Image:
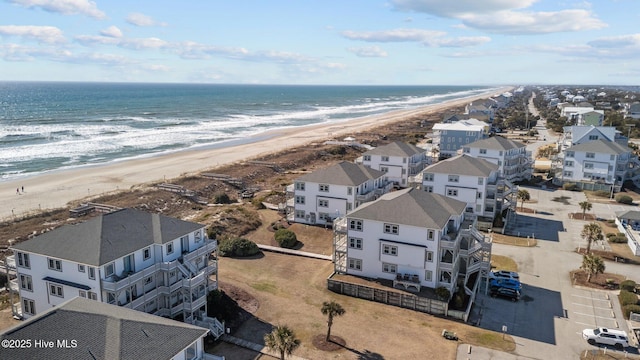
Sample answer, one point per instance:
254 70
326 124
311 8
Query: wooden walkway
294 252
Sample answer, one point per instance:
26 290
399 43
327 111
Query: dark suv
512 294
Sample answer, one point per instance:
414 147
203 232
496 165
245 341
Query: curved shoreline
57 188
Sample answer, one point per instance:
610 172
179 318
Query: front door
129 263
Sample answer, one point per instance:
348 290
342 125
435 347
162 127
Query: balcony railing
208 247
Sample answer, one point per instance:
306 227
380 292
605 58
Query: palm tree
592 265
524 196
331 309
585 206
591 232
281 339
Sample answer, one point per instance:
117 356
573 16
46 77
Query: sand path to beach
57 188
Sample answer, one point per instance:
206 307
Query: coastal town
503 226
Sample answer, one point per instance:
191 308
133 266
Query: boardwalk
294 252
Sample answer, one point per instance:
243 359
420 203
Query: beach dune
57 188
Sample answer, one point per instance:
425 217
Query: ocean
50 126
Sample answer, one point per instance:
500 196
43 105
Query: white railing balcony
175 310
206 249
194 281
448 244
10 262
196 304
117 283
290 188
340 225
13 285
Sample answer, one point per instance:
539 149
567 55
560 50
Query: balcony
13 285
340 225
447 243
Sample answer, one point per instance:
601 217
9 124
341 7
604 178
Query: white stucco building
398 160
597 161
133 259
415 238
325 194
513 160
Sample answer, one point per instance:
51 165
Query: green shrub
618 238
627 310
627 298
570 187
237 247
221 198
286 238
628 285
624 199
602 193
443 293
221 306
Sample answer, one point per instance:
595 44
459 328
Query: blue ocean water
48 126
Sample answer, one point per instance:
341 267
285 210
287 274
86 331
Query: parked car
504 274
505 283
616 338
511 294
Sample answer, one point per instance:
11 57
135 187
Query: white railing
209 247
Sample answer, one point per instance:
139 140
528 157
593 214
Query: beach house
398 160
130 258
513 160
413 238
574 135
475 182
323 195
84 329
449 138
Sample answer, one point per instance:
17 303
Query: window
571 154
300 186
404 160
428 176
169 248
349 206
300 213
82 293
479 195
111 298
148 280
323 203
591 155
480 181
428 256
324 216
197 236
466 150
26 282
355 243
323 188
452 192
92 273
54 264
355 225
366 157
391 229
389 268
428 275
55 290
454 178
384 169
588 165
568 173
91 295
593 137
349 190
612 157
385 158
568 163
355 264
389 250
428 188
146 253
299 199
483 151
478 208
23 260
430 234
109 269
28 306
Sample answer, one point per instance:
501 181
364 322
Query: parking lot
592 309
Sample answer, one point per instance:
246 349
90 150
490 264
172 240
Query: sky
323 42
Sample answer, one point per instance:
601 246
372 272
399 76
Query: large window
54 264
428 256
92 273
385 158
28 306
430 234
452 192
428 275
391 229
300 186
355 225
355 243
146 253
366 157
169 248
355 264
428 176
389 249
428 188
588 165
454 178
591 155
300 214
323 203
568 163
389 268
483 151
55 290
299 199
323 188
23 260
109 269
26 282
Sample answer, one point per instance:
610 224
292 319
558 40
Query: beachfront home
475 182
130 258
574 135
634 111
85 329
398 160
323 195
513 160
449 138
484 108
595 118
596 162
413 238
628 222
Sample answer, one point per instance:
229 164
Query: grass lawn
499 262
513 240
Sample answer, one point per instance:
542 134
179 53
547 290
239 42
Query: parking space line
589 325
595 316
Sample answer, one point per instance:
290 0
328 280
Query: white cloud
91 40
511 22
631 40
42 34
112 31
138 19
66 7
155 67
455 8
369 51
426 37
143 43
463 41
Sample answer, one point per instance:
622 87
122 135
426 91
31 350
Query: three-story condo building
398 160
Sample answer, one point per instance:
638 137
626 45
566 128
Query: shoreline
57 188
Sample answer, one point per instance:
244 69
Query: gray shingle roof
411 207
628 214
496 143
107 237
343 173
463 165
601 146
102 331
396 148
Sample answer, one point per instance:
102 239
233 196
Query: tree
591 232
585 206
592 265
523 195
281 339
331 309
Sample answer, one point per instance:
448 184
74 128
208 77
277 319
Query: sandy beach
56 189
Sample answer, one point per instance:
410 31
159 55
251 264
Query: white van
616 338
